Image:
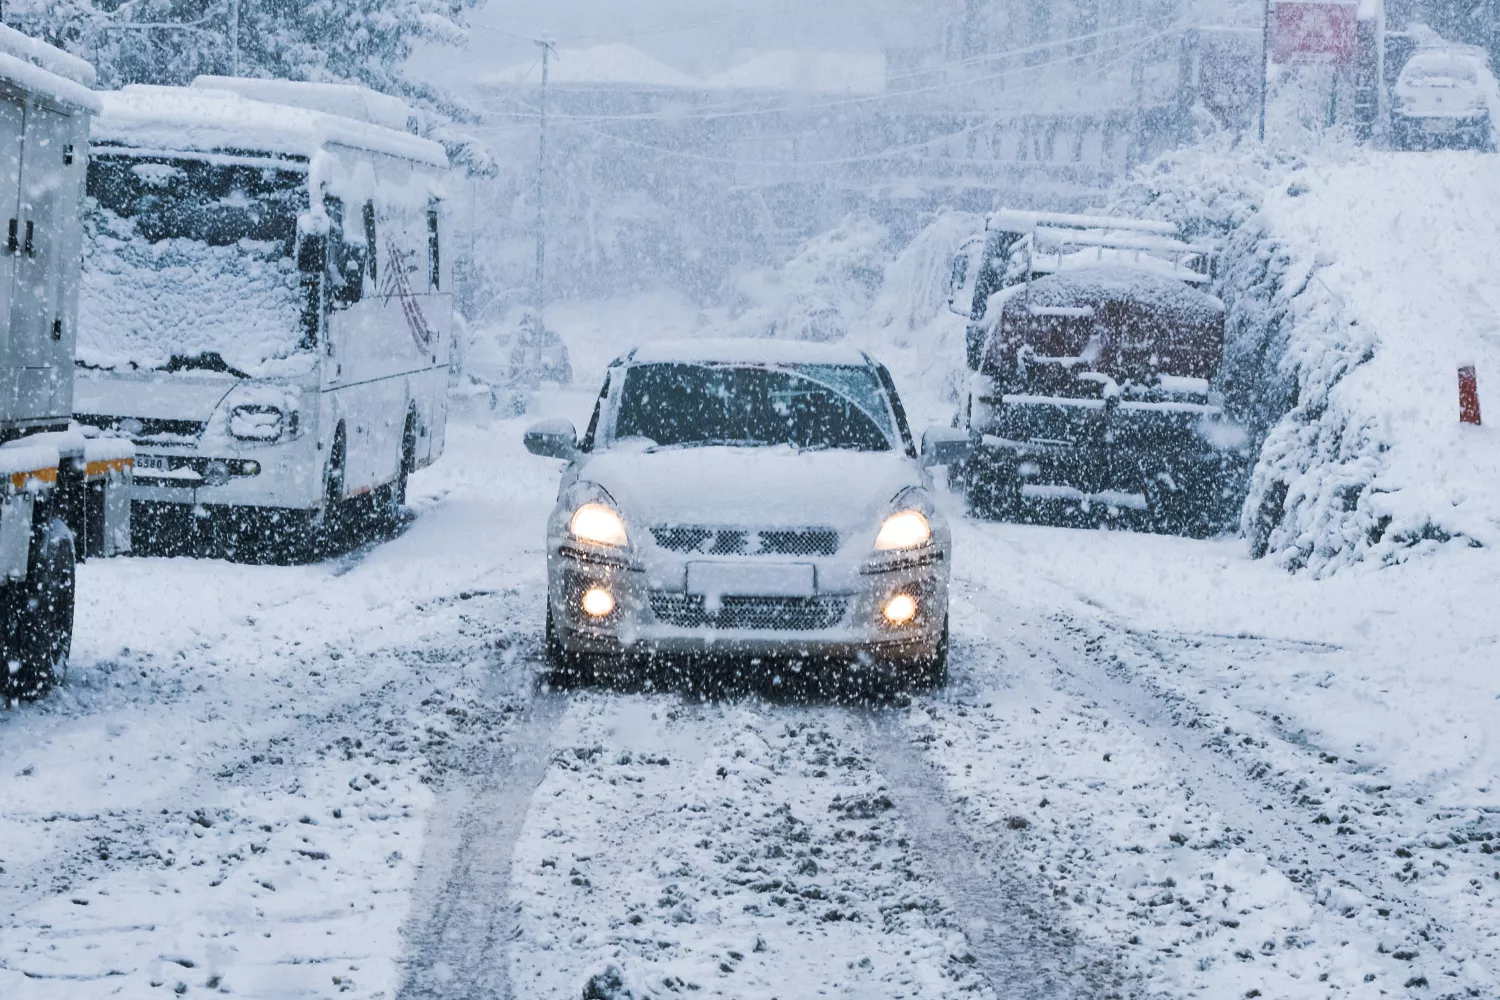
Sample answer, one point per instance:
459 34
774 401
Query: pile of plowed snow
1355 293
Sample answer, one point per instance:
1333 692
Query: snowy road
1160 771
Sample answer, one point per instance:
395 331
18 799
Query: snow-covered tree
351 40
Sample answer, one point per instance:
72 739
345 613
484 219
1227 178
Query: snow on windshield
807 407
190 264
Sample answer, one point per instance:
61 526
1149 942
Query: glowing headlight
906 530
594 522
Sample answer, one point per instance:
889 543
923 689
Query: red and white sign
1314 31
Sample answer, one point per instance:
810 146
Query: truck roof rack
1011 220
1059 241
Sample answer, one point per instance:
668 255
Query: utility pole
1265 66
549 48
234 37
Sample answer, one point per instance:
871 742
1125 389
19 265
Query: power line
664 29
863 158
1131 45
739 109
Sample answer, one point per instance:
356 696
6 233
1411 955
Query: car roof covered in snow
212 121
41 69
748 350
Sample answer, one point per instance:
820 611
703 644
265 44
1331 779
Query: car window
805 407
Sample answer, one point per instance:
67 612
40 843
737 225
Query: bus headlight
259 422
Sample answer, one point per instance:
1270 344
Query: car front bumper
655 615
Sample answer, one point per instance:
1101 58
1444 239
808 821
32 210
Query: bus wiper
208 361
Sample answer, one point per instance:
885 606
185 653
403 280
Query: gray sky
693 35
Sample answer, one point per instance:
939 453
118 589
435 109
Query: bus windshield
190 266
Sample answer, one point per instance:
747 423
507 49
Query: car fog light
216 473
901 609
598 602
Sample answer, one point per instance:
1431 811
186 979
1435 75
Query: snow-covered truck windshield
807 407
191 264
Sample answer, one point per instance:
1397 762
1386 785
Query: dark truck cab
1092 351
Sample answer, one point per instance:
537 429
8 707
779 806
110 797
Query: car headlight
907 529
594 522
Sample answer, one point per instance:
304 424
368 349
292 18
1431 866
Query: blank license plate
1441 125
746 579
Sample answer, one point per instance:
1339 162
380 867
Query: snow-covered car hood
755 487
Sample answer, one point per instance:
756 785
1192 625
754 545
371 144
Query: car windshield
803 406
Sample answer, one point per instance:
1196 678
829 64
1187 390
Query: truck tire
991 487
1187 500
39 633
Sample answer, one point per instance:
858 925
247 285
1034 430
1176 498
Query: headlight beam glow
908 529
594 522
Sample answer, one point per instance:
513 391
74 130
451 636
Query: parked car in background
266 307
749 498
1442 100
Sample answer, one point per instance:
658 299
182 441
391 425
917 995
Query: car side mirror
945 446
552 439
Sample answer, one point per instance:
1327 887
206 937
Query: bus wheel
336 509
39 636
408 459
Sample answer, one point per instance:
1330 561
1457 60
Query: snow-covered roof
807 71
38 67
748 350
612 64
49 58
183 118
346 99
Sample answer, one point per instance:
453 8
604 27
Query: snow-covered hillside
1356 293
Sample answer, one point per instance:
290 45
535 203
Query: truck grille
785 614
150 427
694 539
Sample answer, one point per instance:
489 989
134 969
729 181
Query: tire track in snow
1272 793
742 849
461 916
1246 786
1026 948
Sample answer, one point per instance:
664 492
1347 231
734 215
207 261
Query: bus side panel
12 131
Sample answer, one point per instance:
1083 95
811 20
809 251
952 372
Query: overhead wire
862 158
740 109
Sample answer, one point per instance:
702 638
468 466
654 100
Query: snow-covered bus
266 307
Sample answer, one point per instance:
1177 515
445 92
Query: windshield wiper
713 443
208 361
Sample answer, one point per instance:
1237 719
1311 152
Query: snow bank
142 303
1355 293
826 288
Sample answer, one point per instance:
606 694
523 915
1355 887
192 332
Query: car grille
699 540
786 614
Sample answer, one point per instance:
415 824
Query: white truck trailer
266 309
64 494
